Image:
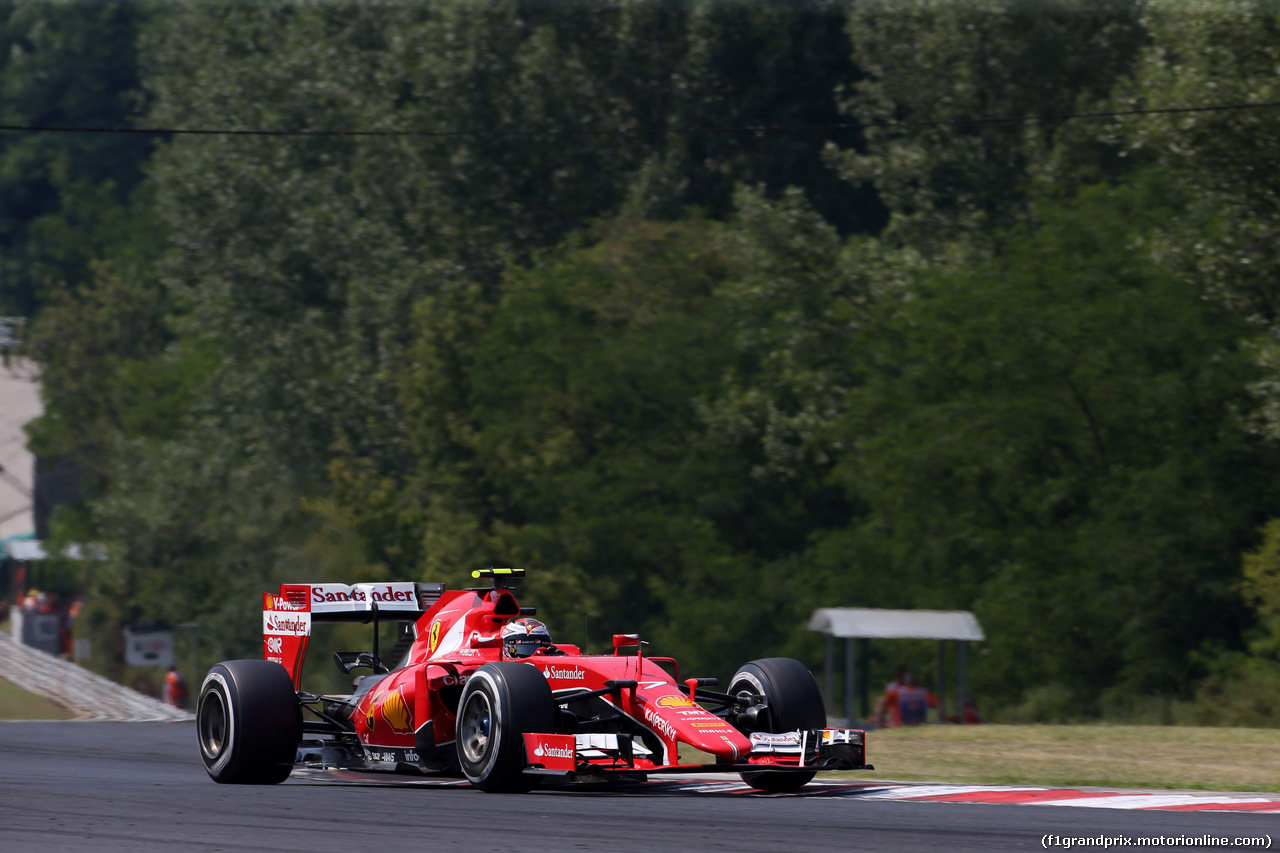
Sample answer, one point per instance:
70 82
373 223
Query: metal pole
864 678
850 654
828 672
960 681
941 682
194 628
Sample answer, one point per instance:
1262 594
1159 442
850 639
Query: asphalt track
140 787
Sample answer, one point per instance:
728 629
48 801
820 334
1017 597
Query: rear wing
287 616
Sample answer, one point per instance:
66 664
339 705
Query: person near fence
175 688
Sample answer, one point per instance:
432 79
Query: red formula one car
480 690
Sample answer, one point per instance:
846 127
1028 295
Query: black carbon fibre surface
141 787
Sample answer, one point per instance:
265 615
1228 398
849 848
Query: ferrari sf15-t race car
478 689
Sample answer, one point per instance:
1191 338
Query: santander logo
564 674
544 751
291 624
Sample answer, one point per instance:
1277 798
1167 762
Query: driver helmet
523 637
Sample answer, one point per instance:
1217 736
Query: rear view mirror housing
624 641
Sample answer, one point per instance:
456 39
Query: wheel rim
746 691
213 724
476 717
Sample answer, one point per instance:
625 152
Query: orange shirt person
886 713
175 688
905 703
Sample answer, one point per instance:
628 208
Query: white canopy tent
854 623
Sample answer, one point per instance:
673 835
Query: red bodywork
460 632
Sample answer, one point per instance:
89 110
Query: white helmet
523 637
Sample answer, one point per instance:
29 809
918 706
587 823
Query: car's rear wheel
248 722
500 704
793 701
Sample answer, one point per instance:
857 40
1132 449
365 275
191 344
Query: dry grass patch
18 704
1104 755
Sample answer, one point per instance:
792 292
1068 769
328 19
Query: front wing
596 755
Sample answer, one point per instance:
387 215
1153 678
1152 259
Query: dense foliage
697 382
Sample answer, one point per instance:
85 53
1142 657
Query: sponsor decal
449 643
279 602
676 702
325 594
275 659
433 639
291 625
718 724
764 742
453 680
553 751
654 719
275 645
692 712
767 739
564 674
841 736
396 712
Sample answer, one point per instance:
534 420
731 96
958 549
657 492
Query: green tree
565 431
295 263
1054 439
64 198
932 66
1213 54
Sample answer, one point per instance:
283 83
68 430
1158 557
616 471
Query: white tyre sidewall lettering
495 723
229 738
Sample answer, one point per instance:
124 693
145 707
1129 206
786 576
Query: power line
762 128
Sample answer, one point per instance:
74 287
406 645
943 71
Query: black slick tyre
248 722
794 702
501 703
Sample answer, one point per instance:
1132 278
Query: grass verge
18 704
1219 759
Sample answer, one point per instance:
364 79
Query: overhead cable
762 128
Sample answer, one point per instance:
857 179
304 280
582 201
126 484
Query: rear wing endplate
287 616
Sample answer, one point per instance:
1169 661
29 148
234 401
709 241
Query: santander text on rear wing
287 616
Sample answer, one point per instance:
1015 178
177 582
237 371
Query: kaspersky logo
564 674
544 751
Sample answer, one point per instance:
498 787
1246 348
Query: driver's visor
524 648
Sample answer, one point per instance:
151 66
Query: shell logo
675 702
433 640
396 713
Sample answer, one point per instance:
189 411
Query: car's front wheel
500 704
249 722
793 701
